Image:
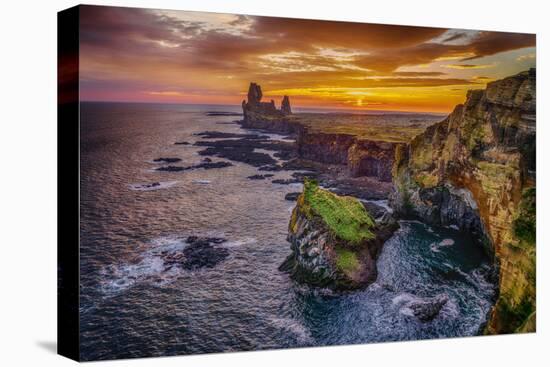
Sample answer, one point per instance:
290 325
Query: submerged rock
259 177
224 135
204 164
427 309
334 241
292 196
201 253
286 181
167 160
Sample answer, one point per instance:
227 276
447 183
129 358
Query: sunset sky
142 55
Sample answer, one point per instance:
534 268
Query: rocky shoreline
474 170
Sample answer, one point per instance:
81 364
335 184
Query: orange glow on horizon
140 55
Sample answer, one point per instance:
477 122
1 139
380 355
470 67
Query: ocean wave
239 243
435 246
294 327
149 267
160 265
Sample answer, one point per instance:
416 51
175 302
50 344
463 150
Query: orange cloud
208 58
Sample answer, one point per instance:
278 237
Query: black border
68 179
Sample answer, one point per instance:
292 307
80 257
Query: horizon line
359 111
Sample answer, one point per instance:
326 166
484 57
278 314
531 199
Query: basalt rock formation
285 106
264 115
334 241
476 170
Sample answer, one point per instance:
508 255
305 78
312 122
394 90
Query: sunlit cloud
469 66
526 57
194 57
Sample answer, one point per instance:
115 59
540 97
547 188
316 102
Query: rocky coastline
474 170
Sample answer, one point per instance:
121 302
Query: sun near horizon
147 55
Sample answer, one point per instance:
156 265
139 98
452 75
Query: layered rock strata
476 170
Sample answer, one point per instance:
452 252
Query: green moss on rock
346 261
525 223
345 216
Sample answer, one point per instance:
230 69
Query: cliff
362 157
476 170
334 240
344 139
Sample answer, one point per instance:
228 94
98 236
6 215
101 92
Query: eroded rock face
371 158
476 170
337 252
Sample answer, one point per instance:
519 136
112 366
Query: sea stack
254 104
285 106
334 240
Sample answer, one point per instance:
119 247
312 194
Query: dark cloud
343 34
455 36
128 44
491 43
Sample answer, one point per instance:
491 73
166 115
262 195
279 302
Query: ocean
133 305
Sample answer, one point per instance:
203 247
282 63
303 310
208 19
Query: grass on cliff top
345 216
385 128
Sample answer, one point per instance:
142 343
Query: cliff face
334 240
476 170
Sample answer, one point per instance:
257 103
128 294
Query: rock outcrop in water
334 240
476 170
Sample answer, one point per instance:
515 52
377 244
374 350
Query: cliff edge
476 170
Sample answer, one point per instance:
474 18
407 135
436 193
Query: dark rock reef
204 165
476 170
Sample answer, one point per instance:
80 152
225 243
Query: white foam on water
150 267
202 182
382 203
239 243
402 298
149 186
435 247
294 327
